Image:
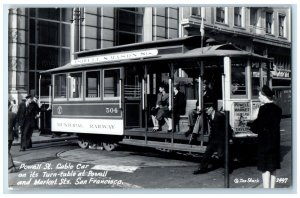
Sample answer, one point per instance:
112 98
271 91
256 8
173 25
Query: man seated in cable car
195 115
161 111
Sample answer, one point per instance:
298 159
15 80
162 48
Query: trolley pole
226 172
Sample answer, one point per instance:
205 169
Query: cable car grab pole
226 146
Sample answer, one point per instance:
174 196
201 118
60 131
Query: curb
49 140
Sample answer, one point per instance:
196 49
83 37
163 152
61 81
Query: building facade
45 38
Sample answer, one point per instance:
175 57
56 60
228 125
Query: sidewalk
37 137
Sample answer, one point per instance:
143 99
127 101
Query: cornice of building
227 30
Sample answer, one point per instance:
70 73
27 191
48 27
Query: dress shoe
193 139
200 171
187 133
12 169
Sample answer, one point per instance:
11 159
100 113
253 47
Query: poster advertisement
241 116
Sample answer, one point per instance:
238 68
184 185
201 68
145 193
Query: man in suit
26 120
216 141
208 99
12 119
179 104
21 115
161 110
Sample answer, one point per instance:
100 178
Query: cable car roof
189 49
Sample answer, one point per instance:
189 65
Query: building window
221 15
238 17
93 84
129 25
269 22
49 43
281 25
198 11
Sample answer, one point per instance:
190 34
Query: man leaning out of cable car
216 141
161 111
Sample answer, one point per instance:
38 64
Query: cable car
106 95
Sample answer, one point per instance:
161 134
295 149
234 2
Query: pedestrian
161 111
27 113
179 104
267 126
37 109
216 142
13 106
12 126
21 122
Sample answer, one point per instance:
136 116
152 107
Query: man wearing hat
267 126
26 121
216 141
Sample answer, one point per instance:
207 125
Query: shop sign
281 74
116 57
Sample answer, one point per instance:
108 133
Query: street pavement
246 176
38 137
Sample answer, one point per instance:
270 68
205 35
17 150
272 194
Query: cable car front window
60 82
238 81
92 84
111 83
255 74
75 85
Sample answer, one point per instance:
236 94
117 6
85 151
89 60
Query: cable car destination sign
116 57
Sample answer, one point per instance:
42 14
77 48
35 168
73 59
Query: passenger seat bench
183 121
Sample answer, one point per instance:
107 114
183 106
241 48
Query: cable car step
165 145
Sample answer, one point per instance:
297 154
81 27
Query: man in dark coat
12 120
267 126
26 121
208 100
216 141
179 104
21 115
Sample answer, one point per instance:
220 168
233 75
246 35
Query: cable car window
60 88
92 84
255 79
75 85
238 80
111 83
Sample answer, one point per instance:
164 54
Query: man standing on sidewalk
12 120
26 121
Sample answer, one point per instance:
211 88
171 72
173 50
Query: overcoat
179 104
12 119
267 126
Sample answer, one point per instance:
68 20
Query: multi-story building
44 38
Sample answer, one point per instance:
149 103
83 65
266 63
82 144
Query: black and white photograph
149 97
